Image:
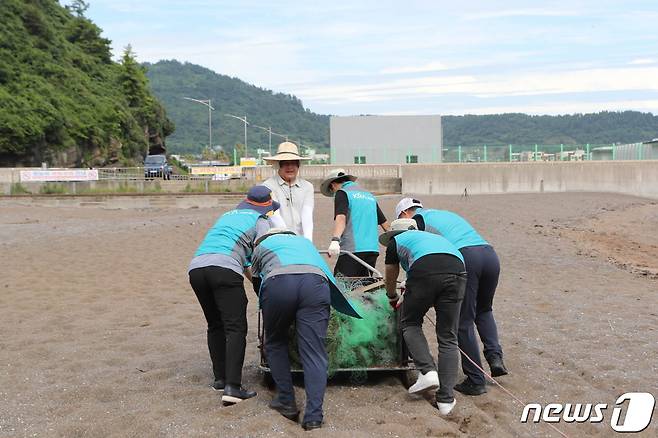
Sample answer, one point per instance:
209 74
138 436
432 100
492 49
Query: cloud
525 84
644 61
432 66
529 12
372 56
534 108
386 90
563 107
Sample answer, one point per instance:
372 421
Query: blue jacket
360 233
413 244
451 226
290 254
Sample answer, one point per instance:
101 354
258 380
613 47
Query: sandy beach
101 334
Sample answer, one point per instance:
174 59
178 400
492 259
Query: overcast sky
409 57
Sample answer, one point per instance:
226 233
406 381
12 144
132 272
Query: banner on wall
59 175
216 170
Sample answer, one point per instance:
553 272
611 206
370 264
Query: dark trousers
221 294
348 267
304 299
483 269
443 292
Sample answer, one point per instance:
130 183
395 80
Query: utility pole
207 103
243 119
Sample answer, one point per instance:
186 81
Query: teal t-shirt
451 226
360 233
291 254
413 244
232 235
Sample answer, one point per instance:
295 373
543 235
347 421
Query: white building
385 139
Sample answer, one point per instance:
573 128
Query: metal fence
452 154
561 152
137 174
484 153
319 171
121 173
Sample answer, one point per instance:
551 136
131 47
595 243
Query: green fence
492 153
541 152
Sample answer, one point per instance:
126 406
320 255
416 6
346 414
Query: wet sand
101 334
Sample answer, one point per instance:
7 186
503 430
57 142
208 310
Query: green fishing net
351 343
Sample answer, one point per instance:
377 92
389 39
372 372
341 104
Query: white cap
405 204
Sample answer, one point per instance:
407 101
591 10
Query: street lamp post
207 103
271 133
243 119
285 137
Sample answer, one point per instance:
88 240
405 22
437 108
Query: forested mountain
171 81
62 98
600 128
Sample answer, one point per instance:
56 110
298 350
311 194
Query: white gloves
402 286
334 249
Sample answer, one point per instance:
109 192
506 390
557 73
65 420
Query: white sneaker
446 408
425 382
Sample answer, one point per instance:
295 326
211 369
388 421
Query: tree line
63 100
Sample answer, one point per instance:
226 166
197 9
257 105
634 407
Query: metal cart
403 366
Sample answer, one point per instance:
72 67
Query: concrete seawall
375 185
131 186
639 178
127 201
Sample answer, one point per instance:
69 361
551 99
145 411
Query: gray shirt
267 264
225 261
297 204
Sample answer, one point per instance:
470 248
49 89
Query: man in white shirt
293 193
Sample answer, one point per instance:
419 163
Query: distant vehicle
221 177
156 166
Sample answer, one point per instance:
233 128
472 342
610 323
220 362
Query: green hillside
171 81
62 98
600 128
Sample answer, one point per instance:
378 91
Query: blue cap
259 198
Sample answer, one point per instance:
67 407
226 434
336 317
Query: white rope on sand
499 385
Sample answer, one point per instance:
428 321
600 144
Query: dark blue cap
259 198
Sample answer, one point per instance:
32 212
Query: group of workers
267 238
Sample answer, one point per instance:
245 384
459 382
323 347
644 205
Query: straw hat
397 226
286 151
272 232
333 176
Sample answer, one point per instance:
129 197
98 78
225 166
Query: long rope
499 385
